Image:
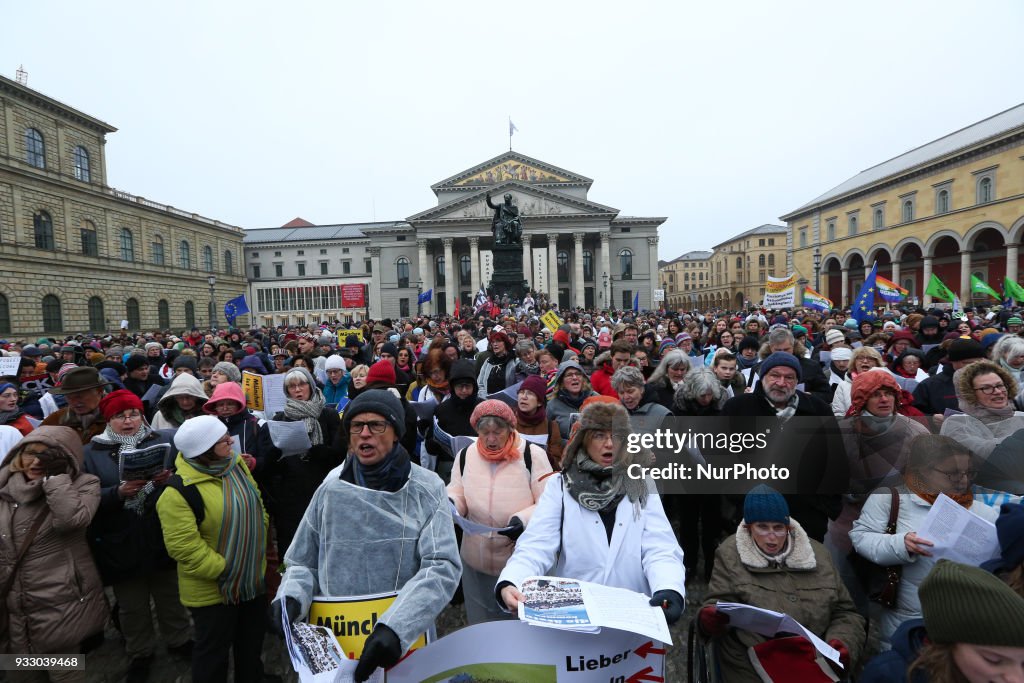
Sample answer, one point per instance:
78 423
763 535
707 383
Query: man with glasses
378 524
83 388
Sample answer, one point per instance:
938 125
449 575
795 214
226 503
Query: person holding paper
126 539
183 399
985 393
290 481
379 524
228 405
936 464
595 523
771 563
493 484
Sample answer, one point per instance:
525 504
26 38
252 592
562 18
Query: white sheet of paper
273 394
471 527
9 366
958 534
290 437
332 666
768 623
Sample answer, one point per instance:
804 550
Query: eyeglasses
957 476
376 426
572 375
990 389
124 417
601 436
768 531
226 441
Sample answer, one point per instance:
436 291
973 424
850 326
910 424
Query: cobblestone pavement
108 663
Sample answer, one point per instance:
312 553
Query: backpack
191 496
527 460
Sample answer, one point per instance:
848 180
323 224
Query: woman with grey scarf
291 480
598 520
126 539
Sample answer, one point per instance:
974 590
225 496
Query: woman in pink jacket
496 482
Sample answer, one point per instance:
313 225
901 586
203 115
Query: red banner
352 296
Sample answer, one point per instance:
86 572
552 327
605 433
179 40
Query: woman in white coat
594 523
936 464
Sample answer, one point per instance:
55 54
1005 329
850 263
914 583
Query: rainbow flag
889 290
814 300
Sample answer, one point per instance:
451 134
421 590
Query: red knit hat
492 407
116 402
562 336
381 371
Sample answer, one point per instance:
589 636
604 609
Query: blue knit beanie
765 504
780 358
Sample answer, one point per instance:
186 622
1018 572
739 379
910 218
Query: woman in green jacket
221 551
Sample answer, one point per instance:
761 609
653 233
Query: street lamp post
817 269
212 281
607 301
419 294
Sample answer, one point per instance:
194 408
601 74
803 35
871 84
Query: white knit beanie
335 363
197 435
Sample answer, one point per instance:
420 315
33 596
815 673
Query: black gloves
671 602
382 649
52 463
291 605
515 529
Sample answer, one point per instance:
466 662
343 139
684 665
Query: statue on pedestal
506 224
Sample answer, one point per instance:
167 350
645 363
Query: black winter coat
937 393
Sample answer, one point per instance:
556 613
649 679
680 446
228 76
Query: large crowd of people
230 530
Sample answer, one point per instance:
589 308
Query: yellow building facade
739 267
683 278
953 207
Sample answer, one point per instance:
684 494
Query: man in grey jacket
378 506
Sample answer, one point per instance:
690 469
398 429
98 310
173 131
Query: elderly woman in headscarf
572 388
594 522
989 424
1008 353
496 481
125 534
290 480
532 418
55 598
183 399
669 374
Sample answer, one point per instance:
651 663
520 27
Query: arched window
908 211
402 266
942 202
190 315
878 220
185 255
853 225
588 266
5 315
35 149
563 266
97 319
43 228
52 319
465 264
81 162
985 193
760 261
127 245
626 264
131 309
90 245
208 259
771 260
163 313
439 274
158 250
229 262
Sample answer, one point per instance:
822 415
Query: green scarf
242 539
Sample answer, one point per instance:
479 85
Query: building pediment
510 166
533 202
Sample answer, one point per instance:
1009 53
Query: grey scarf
308 412
596 488
790 409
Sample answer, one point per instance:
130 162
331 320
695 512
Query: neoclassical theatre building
77 255
579 252
953 207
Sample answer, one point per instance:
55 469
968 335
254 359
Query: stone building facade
739 267
953 207
77 255
579 252
684 278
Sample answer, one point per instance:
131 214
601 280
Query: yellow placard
252 385
551 321
352 620
343 336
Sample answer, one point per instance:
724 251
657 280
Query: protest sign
780 292
551 321
514 651
343 336
352 619
252 386
9 366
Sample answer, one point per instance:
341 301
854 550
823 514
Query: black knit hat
380 401
963 604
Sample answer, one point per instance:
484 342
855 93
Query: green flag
1013 290
979 285
937 289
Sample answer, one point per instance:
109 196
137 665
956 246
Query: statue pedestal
508 272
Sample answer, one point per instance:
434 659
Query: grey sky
721 116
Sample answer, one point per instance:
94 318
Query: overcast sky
720 116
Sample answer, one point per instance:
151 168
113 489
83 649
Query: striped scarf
242 538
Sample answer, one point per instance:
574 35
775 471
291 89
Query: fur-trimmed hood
801 557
